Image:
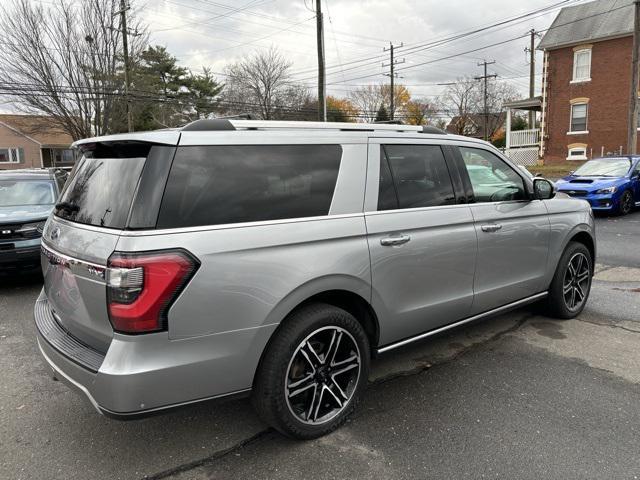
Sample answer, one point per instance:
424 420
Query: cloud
212 33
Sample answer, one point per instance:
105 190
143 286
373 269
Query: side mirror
543 189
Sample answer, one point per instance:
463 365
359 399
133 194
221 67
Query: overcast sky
216 32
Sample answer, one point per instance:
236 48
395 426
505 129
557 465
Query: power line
408 49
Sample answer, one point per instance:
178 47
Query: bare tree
64 61
460 100
464 101
498 93
260 85
368 100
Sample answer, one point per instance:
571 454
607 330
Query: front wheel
313 373
626 203
571 284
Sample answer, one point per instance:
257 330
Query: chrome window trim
228 226
417 209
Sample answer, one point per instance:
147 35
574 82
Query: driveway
517 396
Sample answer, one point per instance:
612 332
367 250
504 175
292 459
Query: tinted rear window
213 185
103 185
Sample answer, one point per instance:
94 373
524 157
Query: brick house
30 141
585 88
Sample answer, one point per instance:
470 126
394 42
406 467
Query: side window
420 175
491 178
213 185
387 197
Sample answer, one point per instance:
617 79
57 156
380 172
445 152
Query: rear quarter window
213 185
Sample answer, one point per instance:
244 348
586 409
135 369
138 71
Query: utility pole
322 82
125 45
392 75
486 77
532 76
632 135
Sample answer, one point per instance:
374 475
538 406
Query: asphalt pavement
516 396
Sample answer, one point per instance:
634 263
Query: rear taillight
141 287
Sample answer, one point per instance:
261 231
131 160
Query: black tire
625 206
559 304
318 325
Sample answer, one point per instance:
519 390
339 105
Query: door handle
395 240
494 227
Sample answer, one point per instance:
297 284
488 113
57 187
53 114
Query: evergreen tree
382 115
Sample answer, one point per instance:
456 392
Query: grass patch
554 171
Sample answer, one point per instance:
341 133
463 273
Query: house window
578 117
582 65
61 156
11 155
577 153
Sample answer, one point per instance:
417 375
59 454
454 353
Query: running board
495 311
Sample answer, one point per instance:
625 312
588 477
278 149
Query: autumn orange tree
341 110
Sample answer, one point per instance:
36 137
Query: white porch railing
524 138
527 156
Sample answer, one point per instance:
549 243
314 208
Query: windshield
26 192
612 167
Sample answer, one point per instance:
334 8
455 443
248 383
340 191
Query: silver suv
278 258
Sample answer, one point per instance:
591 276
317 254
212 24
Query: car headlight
31 229
606 190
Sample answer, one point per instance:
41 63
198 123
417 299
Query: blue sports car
608 184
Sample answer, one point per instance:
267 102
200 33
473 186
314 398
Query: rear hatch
83 232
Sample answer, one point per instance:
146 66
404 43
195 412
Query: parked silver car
277 258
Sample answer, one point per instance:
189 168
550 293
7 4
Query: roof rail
430 129
208 124
226 124
239 116
344 126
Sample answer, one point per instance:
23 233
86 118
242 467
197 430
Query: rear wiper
68 206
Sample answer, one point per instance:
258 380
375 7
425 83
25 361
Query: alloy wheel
576 281
322 375
626 203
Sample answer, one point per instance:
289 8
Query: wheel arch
352 300
587 240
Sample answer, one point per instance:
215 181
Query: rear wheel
313 373
571 284
626 203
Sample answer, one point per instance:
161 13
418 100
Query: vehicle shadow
14 279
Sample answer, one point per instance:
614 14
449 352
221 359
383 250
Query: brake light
141 287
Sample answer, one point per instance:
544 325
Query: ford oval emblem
55 233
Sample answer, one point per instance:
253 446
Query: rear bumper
144 374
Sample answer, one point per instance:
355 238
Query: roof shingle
589 22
